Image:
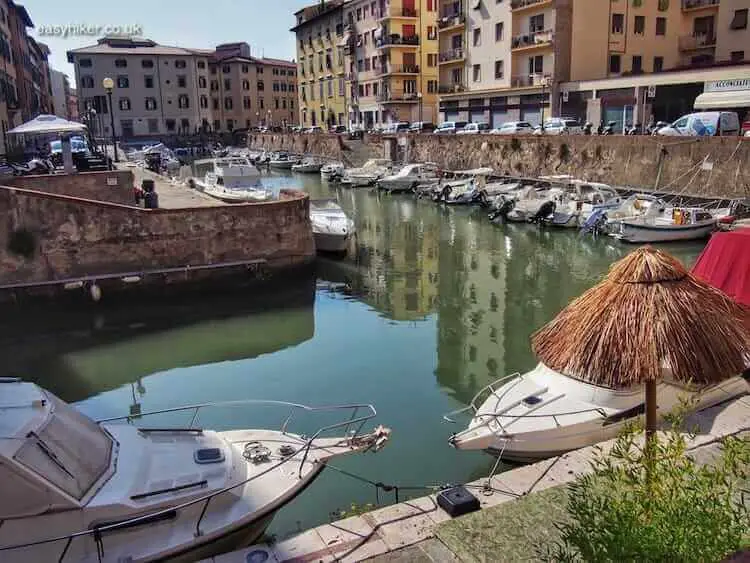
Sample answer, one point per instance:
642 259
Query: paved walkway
171 195
412 530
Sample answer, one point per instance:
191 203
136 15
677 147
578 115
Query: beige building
733 31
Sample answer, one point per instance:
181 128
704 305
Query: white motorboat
126 489
533 201
230 179
331 227
308 165
369 173
409 177
332 171
467 186
579 201
544 413
283 160
670 224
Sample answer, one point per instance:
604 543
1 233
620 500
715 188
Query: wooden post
651 417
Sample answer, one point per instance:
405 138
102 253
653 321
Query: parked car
421 127
746 127
560 126
474 129
450 127
704 124
296 129
338 129
513 128
313 130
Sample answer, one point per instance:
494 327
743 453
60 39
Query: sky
203 24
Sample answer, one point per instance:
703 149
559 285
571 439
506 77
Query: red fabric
725 264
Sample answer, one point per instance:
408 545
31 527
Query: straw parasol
649 318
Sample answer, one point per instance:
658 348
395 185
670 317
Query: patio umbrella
48 124
648 319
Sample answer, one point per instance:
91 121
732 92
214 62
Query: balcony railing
397 97
451 20
693 42
526 80
397 69
395 39
532 39
401 13
519 4
451 88
693 4
452 55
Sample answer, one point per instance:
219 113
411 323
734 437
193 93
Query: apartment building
60 93
250 92
322 95
161 90
362 62
72 104
733 31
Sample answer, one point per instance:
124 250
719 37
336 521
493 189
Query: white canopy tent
48 124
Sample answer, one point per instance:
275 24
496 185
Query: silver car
513 128
559 126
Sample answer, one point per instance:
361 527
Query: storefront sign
727 85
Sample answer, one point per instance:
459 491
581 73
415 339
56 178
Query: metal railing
451 55
397 97
395 39
451 88
697 41
397 69
523 81
533 38
518 4
401 13
692 4
352 428
451 20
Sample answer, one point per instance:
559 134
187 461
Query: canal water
432 304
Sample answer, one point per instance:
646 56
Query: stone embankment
706 167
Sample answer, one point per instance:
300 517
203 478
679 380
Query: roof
23 14
648 318
311 13
116 45
278 62
725 264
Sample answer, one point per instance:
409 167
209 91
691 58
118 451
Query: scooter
588 128
610 128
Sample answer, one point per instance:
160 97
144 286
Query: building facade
161 91
60 93
733 31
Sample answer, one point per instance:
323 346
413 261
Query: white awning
723 100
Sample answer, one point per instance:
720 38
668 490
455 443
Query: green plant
598 152
657 504
22 242
515 145
547 150
354 510
564 152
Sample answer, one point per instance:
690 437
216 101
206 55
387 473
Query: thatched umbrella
649 318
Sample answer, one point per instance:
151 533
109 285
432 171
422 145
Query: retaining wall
115 186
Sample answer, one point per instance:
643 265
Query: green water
433 304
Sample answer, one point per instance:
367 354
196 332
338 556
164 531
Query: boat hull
282 164
327 242
635 233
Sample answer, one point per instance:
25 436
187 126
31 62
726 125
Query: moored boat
308 165
671 224
369 173
331 227
230 179
283 161
409 177
332 171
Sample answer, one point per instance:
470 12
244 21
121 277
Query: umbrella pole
651 418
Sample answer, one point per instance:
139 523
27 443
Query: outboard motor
546 211
443 194
480 197
500 213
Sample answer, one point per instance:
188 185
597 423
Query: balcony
452 56
397 97
696 42
454 88
397 69
529 81
694 5
533 40
521 5
400 13
395 40
451 22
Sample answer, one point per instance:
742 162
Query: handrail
96 532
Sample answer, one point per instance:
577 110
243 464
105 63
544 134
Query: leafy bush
657 504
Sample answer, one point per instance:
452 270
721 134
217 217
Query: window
86 81
148 81
185 124
247 123
499 69
122 81
342 88
85 63
170 123
214 85
227 84
121 63
658 64
147 63
637 64
245 84
246 102
432 86
179 63
201 82
536 65
260 103
228 103
737 56
432 59
661 26
476 73
431 32
614 64
151 104
740 19
259 69
639 27
217 125
499 31
183 102
182 81
536 23
213 70
201 64
261 87
153 126
618 22
124 104
477 37
245 68
215 103
203 102
276 102
226 69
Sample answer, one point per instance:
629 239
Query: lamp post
109 84
257 119
91 118
419 97
269 123
543 82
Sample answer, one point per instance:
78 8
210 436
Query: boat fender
95 292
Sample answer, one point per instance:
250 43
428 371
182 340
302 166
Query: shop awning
723 100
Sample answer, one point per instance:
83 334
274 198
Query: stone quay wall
46 237
717 167
115 186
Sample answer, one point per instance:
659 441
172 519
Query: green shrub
658 505
515 145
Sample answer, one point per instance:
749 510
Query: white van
704 124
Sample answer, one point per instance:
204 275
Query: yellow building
322 87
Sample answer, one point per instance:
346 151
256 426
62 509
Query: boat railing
352 428
481 396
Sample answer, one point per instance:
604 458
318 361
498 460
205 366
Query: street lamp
419 97
257 118
269 123
109 84
543 83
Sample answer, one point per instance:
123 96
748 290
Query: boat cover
725 264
